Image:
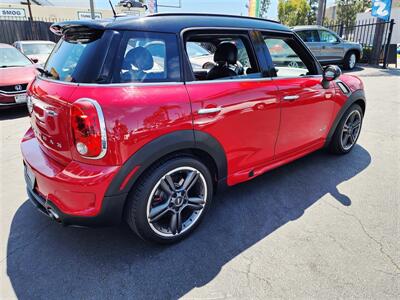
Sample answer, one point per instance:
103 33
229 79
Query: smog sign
12 12
83 15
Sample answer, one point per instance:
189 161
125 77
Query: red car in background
16 72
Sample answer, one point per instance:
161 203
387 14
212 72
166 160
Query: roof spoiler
61 28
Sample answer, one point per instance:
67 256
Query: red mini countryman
126 127
16 71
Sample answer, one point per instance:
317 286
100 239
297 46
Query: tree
264 6
293 12
346 10
312 15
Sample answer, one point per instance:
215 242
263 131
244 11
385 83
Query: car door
241 112
311 38
331 48
306 107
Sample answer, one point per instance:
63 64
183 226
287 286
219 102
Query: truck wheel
170 200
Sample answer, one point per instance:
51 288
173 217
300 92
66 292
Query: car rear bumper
73 194
110 214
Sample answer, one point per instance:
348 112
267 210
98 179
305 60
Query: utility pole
321 11
92 9
29 9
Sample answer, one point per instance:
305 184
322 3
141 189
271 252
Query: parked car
37 51
132 3
16 71
328 47
118 134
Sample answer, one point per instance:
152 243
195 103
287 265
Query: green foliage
264 6
347 10
293 12
312 15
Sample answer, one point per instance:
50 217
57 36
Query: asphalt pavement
322 227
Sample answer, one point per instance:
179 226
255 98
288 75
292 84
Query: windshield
32 49
11 57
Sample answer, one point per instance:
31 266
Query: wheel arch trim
162 146
354 97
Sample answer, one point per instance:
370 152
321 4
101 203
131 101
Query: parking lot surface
321 227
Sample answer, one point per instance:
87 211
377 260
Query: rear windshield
76 60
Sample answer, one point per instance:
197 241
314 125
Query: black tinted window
147 57
76 59
221 56
309 36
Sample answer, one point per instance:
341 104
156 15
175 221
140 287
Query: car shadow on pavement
46 260
13 113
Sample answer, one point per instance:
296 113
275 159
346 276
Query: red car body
13 78
254 130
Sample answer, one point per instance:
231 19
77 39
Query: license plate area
30 177
20 98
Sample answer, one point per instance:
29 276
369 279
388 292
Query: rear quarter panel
135 115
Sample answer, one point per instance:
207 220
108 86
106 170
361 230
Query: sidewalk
368 71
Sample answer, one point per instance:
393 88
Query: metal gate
374 35
19 29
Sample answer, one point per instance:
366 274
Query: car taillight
88 128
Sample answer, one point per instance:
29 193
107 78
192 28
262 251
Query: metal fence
17 29
373 34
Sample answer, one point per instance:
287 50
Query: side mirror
35 60
330 73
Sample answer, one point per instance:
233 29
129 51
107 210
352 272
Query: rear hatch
50 118
76 59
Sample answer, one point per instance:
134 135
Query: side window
221 56
309 36
148 57
288 58
327 37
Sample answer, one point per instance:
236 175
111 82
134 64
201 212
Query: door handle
212 110
291 98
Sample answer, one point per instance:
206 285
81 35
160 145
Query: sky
232 7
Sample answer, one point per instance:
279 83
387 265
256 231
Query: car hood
17 75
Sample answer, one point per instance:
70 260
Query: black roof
171 22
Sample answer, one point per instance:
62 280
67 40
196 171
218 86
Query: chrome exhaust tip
53 214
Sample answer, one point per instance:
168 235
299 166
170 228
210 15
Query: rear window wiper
44 72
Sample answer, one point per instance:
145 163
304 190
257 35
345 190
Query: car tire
350 60
347 131
175 213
